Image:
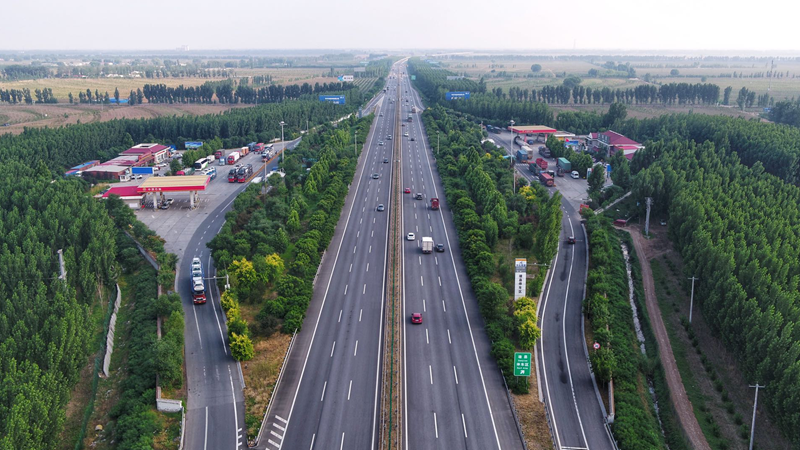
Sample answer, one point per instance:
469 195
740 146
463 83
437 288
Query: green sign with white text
522 364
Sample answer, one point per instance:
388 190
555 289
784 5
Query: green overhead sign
522 364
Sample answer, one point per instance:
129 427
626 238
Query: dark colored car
416 318
440 248
412 138
571 240
385 160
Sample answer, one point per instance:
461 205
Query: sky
698 25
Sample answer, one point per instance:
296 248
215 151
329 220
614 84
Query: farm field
21 116
517 71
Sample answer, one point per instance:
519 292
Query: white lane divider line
444 306
367 267
349 389
341 446
420 281
355 352
463 421
427 341
333 348
448 336
340 316
430 372
423 306
345 289
364 291
313 436
435 426
323 391
455 372
360 311
440 281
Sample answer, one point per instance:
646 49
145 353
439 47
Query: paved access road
329 394
565 379
215 405
454 392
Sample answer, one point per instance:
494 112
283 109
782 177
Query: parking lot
178 223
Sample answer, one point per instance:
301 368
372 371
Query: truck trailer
427 244
564 164
546 179
233 157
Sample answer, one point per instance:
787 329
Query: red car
407 190
416 318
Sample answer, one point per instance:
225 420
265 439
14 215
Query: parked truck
245 151
434 203
232 175
211 158
233 157
427 244
528 151
219 154
564 164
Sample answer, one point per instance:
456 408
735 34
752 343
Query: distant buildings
119 168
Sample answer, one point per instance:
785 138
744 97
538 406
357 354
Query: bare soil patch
532 417
261 374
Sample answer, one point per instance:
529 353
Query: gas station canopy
174 184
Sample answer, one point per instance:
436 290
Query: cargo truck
546 179
427 244
211 158
233 157
198 287
252 146
541 163
522 156
564 164
244 173
219 154
534 168
232 176
245 151
434 203
544 151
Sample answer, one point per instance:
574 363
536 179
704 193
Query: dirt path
677 392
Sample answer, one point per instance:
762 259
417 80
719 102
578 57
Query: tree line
14 96
46 322
787 112
232 92
738 230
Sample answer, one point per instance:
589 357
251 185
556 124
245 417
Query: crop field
507 72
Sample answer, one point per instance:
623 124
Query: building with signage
148 153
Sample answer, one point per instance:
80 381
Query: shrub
241 347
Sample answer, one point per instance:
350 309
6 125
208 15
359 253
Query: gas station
158 186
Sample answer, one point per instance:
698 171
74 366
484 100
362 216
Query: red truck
546 179
259 147
541 163
218 154
233 157
434 203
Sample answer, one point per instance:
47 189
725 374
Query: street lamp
283 144
355 144
437 143
513 169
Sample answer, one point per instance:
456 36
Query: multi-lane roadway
576 416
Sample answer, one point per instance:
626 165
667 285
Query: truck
522 155
427 244
244 173
233 157
414 109
259 147
252 146
198 287
245 150
534 168
410 118
541 162
546 179
528 151
544 151
211 158
434 203
232 175
564 164
219 154
518 140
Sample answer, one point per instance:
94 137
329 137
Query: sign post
522 364
520 273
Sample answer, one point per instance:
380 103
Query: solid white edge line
564 335
461 293
541 346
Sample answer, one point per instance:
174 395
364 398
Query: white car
411 237
575 174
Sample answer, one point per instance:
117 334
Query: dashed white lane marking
313 436
349 389
364 291
465 424
427 341
354 248
359 314
333 348
448 336
443 306
455 372
345 289
435 426
423 306
420 281
351 268
440 282
367 267
355 352
323 391
341 446
430 372
340 316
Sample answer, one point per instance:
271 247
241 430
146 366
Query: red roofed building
610 142
147 153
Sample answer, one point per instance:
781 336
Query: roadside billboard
335 99
457 95
191 145
142 170
345 78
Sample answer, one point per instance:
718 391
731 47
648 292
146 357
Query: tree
116 94
536 68
244 277
571 82
616 112
274 268
293 223
597 178
594 73
621 170
727 96
674 72
175 165
71 99
241 347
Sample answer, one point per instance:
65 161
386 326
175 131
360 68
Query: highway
215 404
329 394
577 420
454 392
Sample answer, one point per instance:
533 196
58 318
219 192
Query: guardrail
514 411
274 390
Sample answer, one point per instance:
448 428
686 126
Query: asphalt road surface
565 379
328 398
454 392
215 405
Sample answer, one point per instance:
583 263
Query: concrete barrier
167 405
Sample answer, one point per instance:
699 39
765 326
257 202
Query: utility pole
283 144
771 74
649 201
355 144
691 300
437 143
753 425
513 169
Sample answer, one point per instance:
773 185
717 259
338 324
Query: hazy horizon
448 25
